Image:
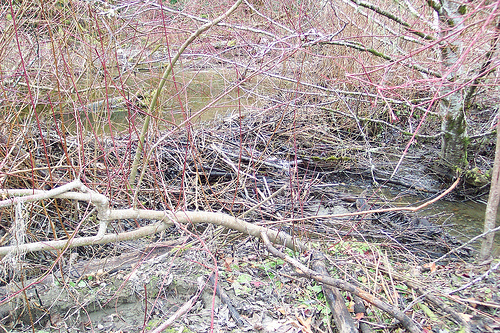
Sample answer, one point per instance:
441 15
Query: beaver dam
299 176
247 166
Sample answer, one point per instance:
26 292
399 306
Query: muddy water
191 97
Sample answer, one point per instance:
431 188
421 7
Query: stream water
466 218
195 96
463 219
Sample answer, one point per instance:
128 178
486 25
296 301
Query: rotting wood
359 308
343 320
227 301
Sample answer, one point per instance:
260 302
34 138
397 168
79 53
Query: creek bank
142 287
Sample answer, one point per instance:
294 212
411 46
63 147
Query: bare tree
457 31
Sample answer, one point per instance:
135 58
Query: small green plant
292 253
152 324
315 288
270 265
325 311
244 278
240 289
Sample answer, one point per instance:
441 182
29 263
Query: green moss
175 330
476 178
462 9
434 5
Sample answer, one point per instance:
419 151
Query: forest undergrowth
289 171
290 159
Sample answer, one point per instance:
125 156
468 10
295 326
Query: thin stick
182 310
263 202
473 239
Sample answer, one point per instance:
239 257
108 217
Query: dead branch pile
261 168
271 168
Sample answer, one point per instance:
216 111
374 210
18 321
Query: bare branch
152 105
392 17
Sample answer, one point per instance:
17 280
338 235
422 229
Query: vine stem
168 70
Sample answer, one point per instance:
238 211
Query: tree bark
453 125
492 205
341 316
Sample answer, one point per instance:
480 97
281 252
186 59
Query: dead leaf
431 266
466 317
227 263
282 311
350 307
257 284
360 315
472 302
306 323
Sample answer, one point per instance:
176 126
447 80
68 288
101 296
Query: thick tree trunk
492 206
455 139
453 125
